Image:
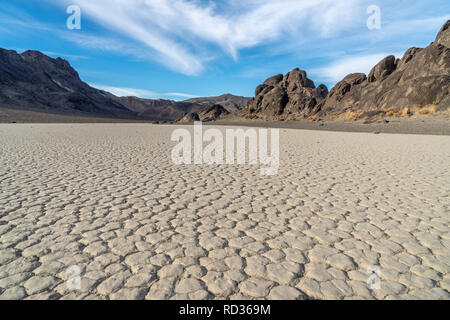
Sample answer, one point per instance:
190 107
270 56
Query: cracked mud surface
108 199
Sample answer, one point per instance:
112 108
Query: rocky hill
228 101
35 82
161 110
421 78
209 114
285 97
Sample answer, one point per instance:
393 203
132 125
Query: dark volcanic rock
285 97
409 54
213 113
228 101
443 37
341 88
34 81
189 118
421 77
273 81
209 114
383 69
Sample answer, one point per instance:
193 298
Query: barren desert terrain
108 199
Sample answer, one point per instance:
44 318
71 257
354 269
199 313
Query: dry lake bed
348 216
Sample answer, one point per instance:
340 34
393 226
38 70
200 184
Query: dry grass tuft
430 109
404 112
349 115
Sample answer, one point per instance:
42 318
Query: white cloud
125 92
65 55
177 33
106 44
342 67
142 93
423 25
181 95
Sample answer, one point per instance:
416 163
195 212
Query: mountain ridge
34 81
420 79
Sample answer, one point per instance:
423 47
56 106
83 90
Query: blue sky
183 48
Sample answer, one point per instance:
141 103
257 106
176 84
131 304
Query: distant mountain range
230 102
35 82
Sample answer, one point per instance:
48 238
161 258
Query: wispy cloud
65 55
181 95
125 92
109 44
338 69
142 93
55 54
180 33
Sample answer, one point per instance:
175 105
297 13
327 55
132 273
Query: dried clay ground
108 199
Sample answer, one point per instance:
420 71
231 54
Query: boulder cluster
289 96
420 78
209 114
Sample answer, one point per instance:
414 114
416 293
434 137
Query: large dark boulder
421 77
189 118
209 114
213 113
273 81
285 97
383 69
34 81
443 37
343 87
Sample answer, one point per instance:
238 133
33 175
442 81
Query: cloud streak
142 93
184 34
338 69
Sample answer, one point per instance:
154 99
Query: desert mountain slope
228 101
420 78
284 97
35 82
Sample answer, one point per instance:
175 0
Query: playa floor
343 209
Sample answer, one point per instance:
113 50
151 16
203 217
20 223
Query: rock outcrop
230 102
33 81
285 97
420 78
210 114
443 37
213 113
188 118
